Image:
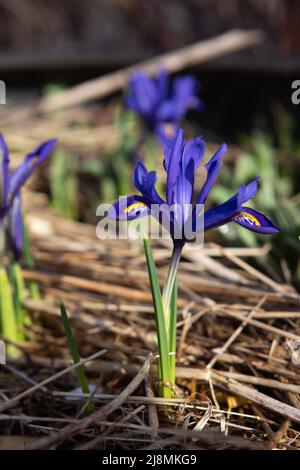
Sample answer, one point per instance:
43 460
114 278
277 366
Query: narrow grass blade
163 346
75 355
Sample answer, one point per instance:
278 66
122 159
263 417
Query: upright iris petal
181 163
184 93
172 164
145 182
184 161
192 156
15 225
4 173
144 95
162 81
212 168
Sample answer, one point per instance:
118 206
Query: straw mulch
238 380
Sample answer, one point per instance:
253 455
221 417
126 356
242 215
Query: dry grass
237 386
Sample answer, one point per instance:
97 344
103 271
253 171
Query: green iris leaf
75 354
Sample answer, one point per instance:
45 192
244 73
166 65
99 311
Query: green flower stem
170 308
162 337
75 355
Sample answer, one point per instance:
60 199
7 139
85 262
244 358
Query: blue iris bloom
162 105
10 189
182 160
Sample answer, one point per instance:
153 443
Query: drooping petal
31 162
212 167
15 226
145 182
4 172
255 221
130 208
224 213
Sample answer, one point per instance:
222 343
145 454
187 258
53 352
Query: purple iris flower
10 186
182 159
162 105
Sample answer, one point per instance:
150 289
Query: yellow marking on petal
135 205
247 215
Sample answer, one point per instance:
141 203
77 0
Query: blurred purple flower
162 105
10 188
182 159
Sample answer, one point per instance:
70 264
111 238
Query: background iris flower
181 163
10 186
159 102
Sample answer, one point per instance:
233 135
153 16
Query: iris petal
184 95
31 162
162 83
247 191
255 221
4 172
144 94
191 159
212 167
167 111
172 164
145 182
15 225
181 162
